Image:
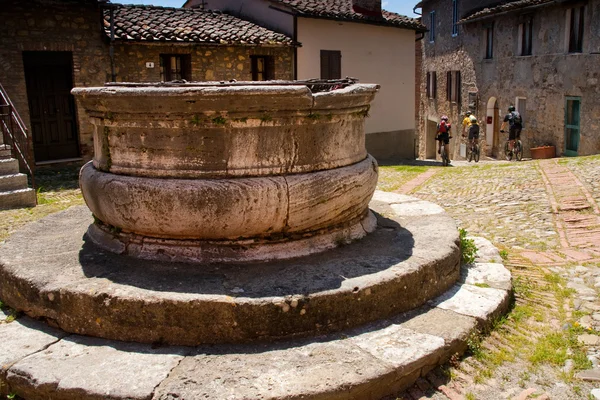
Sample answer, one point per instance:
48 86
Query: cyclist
443 134
473 131
466 124
515 123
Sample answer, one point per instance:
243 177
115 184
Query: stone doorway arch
492 127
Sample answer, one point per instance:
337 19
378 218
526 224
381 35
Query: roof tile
151 23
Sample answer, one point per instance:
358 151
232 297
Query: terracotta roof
155 24
342 10
506 7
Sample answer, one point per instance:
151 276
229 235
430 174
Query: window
520 105
526 35
331 64
575 23
454 17
262 68
431 85
175 67
489 42
432 26
453 86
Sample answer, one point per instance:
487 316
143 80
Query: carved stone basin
220 173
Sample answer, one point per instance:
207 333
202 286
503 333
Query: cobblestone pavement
544 217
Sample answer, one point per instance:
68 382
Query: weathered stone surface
589 340
485 304
454 328
589 375
63 277
90 368
486 251
487 274
23 337
224 131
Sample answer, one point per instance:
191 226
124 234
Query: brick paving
545 217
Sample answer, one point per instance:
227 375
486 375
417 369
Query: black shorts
445 137
473 135
514 133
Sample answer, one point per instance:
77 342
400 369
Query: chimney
371 8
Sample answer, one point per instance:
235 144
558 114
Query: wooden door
572 128
49 79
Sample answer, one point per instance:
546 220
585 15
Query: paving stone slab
486 251
90 368
487 274
485 304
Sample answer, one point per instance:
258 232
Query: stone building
539 55
354 38
47 47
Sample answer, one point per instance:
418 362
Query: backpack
443 127
515 119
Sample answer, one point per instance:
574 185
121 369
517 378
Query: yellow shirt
466 122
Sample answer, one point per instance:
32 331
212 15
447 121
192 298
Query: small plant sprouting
468 250
266 118
504 254
196 120
314 116
219 120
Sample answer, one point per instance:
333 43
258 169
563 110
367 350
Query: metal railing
15 134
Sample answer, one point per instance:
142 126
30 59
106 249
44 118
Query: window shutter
336 65
324 64
270 64
434 77
428 88
458 87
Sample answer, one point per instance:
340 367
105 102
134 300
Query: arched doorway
492 129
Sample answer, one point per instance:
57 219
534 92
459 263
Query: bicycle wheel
518 150
469 153
444 158
507 152
476 155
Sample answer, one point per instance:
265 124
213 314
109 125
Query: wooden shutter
449 86
270 68
331 64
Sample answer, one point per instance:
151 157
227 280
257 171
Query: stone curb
367 363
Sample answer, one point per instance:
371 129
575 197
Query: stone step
5 152
9 166
392 270
17 199
376 360
13 182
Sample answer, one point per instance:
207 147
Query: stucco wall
209 63
373 54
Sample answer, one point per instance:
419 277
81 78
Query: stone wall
208 63
38 25
544 79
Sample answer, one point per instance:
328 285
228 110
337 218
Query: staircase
14 142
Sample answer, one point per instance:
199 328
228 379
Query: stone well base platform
39 362
52 272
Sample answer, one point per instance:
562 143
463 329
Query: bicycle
473 151
517 150
444 155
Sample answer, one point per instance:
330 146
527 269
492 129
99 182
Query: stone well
227 173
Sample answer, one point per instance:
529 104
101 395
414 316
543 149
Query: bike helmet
444 118
511 108
468 113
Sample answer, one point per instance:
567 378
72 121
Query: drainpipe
111 50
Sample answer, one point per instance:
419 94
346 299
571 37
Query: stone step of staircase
13 182
5 152
17 198
9 166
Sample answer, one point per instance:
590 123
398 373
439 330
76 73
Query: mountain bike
444 155
473 151
516 151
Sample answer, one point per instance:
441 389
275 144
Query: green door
572 110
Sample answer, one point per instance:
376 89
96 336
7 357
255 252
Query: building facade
542 56
47 47
335 41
